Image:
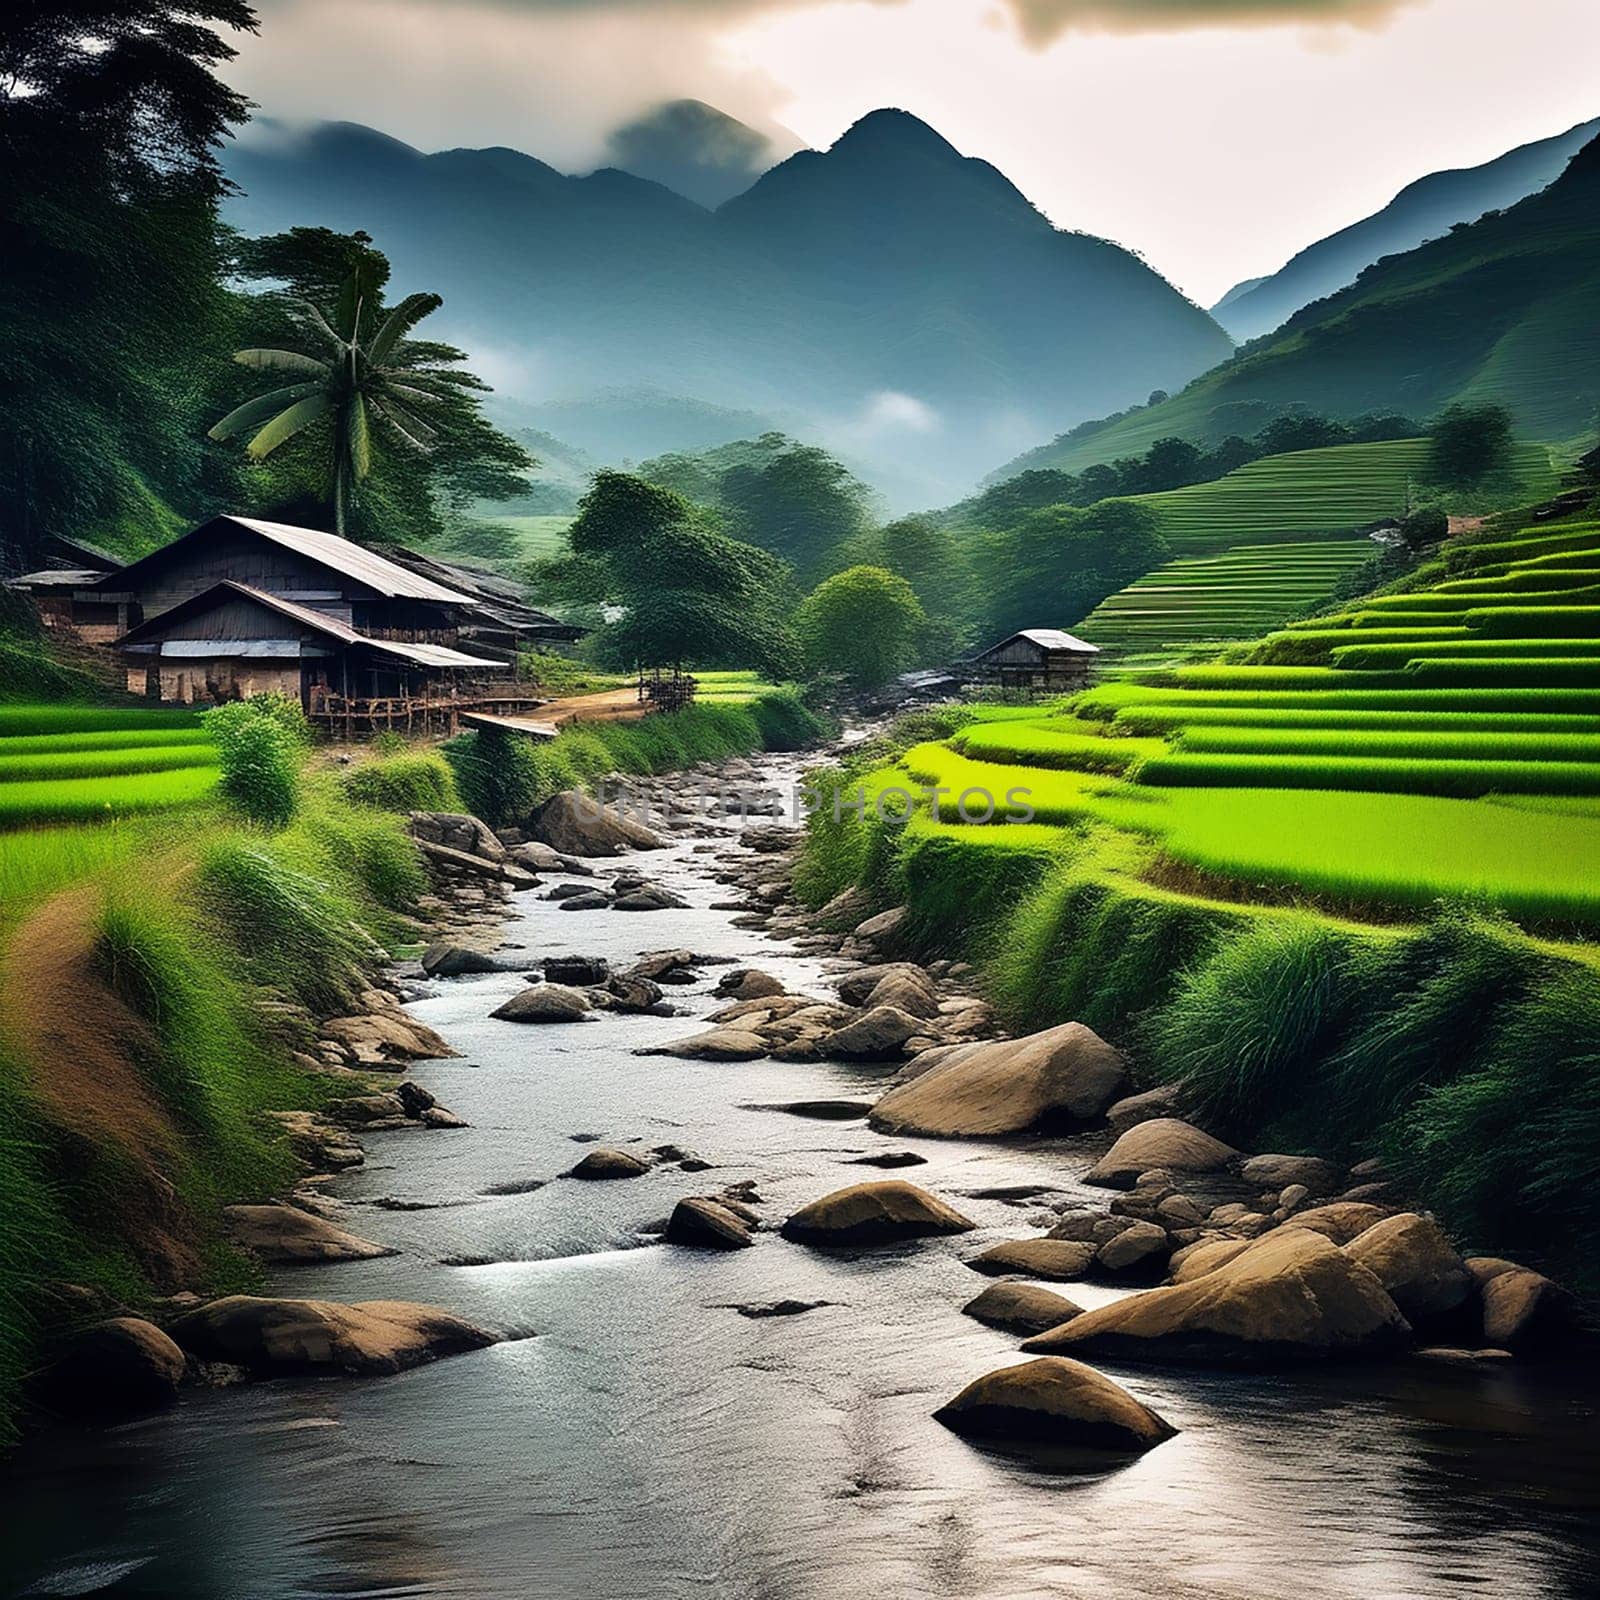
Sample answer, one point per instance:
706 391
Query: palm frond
288 423
259 409
400 322
281 361
413 430
360 438
321 324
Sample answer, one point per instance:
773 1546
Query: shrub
863 623
495 774
260 756
403 783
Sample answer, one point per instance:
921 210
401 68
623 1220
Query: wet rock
1066 1074
456 830
876 1036
666 966
1020 1308
545 1002
587 900
887 930
634 995
1055 1402
1319 1177
1529 1314
576 972
119 1367
514 1186
541 858
281 1234
414 1099
874 1213
720 1044
1411 1257
384 1036
1451 1356
1293 1296
272 1336
577 825
819 1110
890 1158
1165 1142
439 1117
1141 1250
603 1163
912 994
1206 1255
1340 1220
445 960
317 1143
366 1110
759 1309
706 1223
747 983
1165 1100
1055 1260
652 897
854 987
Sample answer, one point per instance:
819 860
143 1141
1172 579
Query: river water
640 1436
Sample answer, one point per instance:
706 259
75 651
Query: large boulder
1411 1257
114 1368
379 1037
888 930
874 1213
270 1336
1529 1314
1165 1100
603 1163
1292 1296
1067 1074
1339 1220
855 986
1281 1172
282 1234
878 1035
445 960
746 983
1056 1402
1167 1143
1139 1251
576 972
1020 1308
909 991
1056 1260
456 830
1205 1255
633 994
545 1002
577 825
703 1222
719 1044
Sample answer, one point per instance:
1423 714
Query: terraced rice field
75 764
1234 594
1456 758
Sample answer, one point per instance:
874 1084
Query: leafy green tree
676 590
799 503
110 294
368 379
1058 564
1467 444
862 623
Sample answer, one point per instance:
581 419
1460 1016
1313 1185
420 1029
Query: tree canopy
674 590
862 624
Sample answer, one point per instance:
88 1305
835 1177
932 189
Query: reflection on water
642 1437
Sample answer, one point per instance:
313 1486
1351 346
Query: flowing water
640 1435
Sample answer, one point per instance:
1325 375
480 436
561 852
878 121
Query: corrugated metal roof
212 649
427 655
354 560
59 577
1055 639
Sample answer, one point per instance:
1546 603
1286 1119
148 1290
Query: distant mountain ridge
1505 310
1423 210
889 296
697 151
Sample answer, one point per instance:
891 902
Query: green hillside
1231 595
1504 310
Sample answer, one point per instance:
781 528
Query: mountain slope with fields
1422 210
1506 310
889 297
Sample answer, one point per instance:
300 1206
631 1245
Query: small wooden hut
1035 661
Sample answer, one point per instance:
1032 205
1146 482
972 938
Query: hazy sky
1216 137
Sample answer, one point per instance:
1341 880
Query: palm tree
359 378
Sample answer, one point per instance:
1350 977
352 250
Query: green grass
101 799
62 719
1042 744
1402 742
1157 718
102 762
1391 775
103 739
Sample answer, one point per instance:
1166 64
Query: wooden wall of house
223 678
238 618
1016 653
405 621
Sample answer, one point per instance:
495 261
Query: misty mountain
1422 210
697 151
890 298
1504 311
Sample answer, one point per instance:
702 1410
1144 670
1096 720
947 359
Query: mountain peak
890 129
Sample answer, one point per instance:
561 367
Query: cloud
1041 22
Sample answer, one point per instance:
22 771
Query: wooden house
1036 661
